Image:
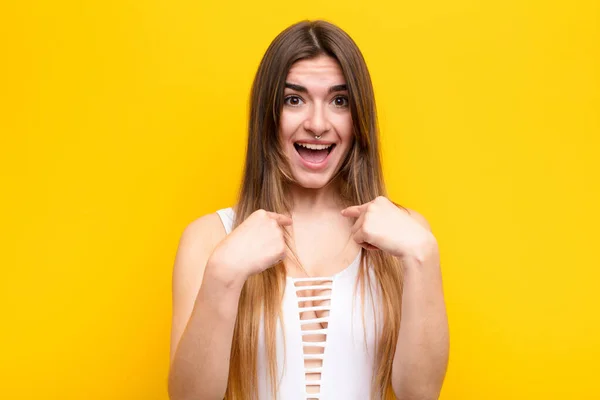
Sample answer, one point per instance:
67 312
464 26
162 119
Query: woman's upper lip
313 141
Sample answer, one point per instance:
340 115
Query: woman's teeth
315 146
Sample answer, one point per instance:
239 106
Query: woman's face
315 104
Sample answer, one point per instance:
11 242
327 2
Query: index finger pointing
354 211
280 218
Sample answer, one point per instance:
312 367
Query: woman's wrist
223 275
422 255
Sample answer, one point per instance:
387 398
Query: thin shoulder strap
227 215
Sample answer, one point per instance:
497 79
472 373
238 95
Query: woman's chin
312 182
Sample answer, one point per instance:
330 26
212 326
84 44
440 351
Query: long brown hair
266 178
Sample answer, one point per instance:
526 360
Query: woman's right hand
255 245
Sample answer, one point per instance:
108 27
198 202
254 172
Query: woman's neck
315 201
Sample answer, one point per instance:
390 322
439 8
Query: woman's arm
421 356
204 313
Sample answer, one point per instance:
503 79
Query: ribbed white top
328 352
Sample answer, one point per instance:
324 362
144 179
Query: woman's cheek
344 128
289 123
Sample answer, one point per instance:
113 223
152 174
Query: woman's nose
316 121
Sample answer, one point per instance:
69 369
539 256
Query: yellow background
123 121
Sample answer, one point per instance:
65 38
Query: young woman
297 292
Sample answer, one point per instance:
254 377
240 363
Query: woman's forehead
320 71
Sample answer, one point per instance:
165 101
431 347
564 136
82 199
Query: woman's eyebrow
302 89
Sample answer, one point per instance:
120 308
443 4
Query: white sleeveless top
346 362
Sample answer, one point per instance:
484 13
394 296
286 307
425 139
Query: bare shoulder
197 242
415 215
419 218
205 231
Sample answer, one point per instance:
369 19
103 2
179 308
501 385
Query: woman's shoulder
209 229
419 218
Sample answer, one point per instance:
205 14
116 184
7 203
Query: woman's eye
293 101
340 101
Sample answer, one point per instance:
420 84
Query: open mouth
313 153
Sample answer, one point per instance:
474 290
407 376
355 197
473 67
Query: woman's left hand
381 225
